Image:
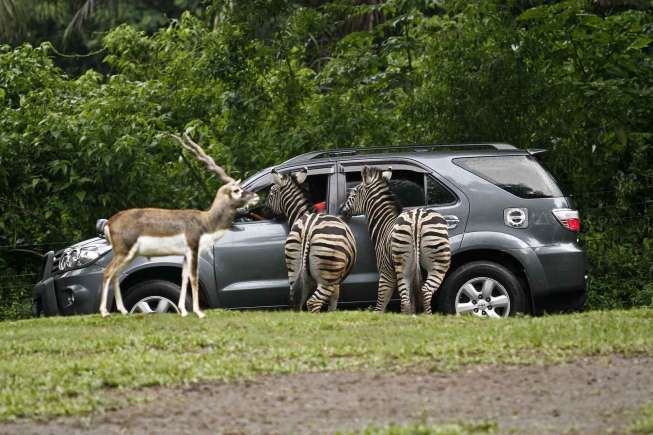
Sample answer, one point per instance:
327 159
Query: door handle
452 221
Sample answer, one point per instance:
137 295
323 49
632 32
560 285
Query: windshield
520 175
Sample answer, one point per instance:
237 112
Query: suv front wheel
484 289
153 296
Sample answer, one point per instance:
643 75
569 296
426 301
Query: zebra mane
305 192
392 198
302 187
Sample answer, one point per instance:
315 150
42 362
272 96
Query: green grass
424 428
644 424
75 365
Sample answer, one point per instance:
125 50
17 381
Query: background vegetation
263 80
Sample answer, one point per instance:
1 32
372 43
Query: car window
520 175
437 193
316 186
411 188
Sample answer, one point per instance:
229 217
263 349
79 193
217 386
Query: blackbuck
155 232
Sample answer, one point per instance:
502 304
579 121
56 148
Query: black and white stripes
320 249
420 241
404 243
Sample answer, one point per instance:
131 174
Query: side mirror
99 227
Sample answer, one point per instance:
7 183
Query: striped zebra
404 242
320 249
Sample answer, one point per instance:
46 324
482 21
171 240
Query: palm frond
10 21
80 17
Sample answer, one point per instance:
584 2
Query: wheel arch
503 258
164 272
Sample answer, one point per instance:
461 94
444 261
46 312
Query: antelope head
231 193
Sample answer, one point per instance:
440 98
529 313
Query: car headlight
78 257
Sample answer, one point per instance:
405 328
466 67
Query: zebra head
286 195
374 181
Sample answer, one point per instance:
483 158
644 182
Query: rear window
520 175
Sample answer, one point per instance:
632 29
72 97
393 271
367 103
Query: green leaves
271 79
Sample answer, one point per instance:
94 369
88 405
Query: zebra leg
431 285
433 282
333 301
403 270
386 288
308 286
294 296
437 265
404 287
320 297
426 295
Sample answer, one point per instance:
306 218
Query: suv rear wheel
484 289
154 296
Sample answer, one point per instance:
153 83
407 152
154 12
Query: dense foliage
264 80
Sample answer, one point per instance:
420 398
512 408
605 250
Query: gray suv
513 238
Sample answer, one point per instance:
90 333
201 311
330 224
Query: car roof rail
303 157
340 152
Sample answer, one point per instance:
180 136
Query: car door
436 193
360 286
249 260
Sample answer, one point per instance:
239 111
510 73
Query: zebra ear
366 175
277 177
300 176
387 174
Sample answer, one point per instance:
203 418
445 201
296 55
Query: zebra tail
299 288
417 273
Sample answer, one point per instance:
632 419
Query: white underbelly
150 246
207 240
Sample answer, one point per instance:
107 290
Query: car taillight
568 218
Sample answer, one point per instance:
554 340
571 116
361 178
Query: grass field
67 366
428 429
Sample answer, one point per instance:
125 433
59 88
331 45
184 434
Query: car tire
154 296
503 289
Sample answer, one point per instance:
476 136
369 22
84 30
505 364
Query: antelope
155 232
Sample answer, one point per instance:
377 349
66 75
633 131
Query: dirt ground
594 395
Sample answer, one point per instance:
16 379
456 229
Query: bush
275 79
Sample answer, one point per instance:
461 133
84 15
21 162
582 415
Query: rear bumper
557 277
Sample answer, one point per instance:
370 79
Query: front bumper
44 298
73 292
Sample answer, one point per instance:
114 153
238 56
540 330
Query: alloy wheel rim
154 305
483 297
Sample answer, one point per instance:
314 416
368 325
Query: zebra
404 242
320 249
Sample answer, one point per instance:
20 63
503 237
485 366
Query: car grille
54 270
47 266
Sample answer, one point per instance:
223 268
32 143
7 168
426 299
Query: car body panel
250 265
246 267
